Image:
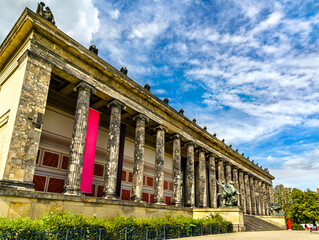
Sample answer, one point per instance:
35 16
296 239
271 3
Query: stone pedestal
232 214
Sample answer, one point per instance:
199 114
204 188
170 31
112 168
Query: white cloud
114 13
77 18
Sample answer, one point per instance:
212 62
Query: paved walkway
264 235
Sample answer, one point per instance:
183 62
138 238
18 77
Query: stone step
253 223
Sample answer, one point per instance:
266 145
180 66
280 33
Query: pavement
262 235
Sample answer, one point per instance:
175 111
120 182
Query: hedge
58 221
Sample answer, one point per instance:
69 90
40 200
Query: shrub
295 226
58 221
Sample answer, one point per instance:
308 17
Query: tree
299 206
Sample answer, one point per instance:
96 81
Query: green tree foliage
299 206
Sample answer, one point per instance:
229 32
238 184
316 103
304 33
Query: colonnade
256 193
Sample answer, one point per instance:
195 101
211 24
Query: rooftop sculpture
46 14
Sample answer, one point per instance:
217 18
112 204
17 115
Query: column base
159 202
190 205
16 185
137 199
177 204
72 192
110 196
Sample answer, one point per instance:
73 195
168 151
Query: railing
143 233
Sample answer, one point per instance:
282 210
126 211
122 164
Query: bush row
295 226
58 221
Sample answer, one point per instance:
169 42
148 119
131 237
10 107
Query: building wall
11 82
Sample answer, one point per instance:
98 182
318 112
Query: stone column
257 195
138 170
267 199
177 171
242 190
221 175
202 178
110 176
235 180
159 165
247 193
228 172
75 165
262 202
34 75
212 181
252 194
190 175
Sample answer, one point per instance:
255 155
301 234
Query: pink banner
89 151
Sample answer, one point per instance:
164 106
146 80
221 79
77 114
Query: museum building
78 134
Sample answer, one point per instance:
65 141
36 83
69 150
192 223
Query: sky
248 70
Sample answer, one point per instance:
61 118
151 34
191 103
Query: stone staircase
255 224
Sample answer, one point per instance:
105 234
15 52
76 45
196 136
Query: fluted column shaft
267 199
111 163
221 175
138 169
257 195
228 172
252 194
236 184
212 182
75 165
242 190
177 173
159 165
190 178
202 179
247 194
262 201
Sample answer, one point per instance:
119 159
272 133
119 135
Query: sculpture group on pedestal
228 194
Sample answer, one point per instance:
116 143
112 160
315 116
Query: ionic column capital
141 116
203 150
86 87
116 103
220 159
177 136
161 127
212 155
190 143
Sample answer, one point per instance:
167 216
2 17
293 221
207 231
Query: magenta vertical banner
89 151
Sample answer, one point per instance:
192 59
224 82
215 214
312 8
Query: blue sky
248 70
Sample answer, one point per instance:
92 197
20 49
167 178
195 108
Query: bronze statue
229 192
274 207
94 49
147 87
46 14
123 70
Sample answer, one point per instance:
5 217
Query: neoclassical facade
147 153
